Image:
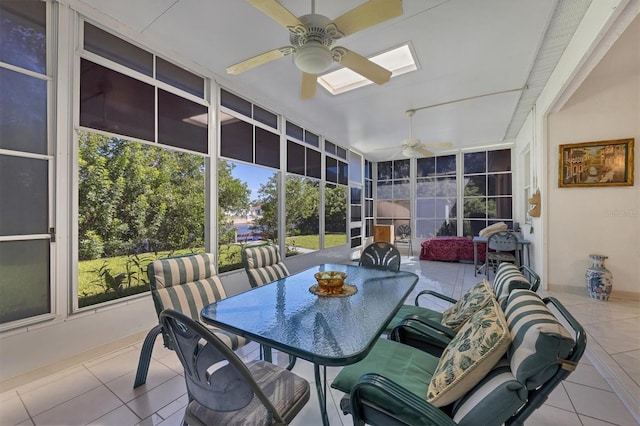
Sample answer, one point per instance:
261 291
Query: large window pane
116 103
23 35
335 215
23 196
436 194
24 281
487 189
302 212
23 112
182 123
246 209
136 202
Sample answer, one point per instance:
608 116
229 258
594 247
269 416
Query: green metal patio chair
185 284
381 255
435 336
222 389
263 263
397 384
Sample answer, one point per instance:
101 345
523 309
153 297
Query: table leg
266 353
321 387
475 258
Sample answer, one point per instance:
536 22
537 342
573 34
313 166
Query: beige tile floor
99 391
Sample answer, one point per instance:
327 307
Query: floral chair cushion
472 353
472 301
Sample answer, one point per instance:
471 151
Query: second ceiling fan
313 38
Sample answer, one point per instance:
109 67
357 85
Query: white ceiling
464 49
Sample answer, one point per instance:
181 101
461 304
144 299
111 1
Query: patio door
25 164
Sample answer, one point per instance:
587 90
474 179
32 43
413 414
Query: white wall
42 345
601 26
598 220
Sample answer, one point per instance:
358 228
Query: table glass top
327 330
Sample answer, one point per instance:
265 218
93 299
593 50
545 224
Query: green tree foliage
302 199
135 197
335 214
233 196
267 225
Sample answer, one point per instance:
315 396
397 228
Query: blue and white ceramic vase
599 278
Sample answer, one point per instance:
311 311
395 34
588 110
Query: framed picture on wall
602 163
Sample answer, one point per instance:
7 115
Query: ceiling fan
413 147
313 37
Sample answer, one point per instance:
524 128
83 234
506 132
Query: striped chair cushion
539 340
187 284
179 270
190 298
493 400
264 265
508 278
261 256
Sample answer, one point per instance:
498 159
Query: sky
254 176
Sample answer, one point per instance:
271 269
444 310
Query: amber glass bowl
330 282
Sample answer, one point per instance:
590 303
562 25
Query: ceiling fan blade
423 152
439 144
363 66
308 88
277 12
388 149
261 59
367 15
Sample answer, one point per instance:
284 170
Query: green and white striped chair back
508 278
539 342
187 284
263 264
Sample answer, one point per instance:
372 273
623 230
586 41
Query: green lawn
98 279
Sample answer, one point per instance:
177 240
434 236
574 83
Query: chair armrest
436 294
412 403
431 331
534 279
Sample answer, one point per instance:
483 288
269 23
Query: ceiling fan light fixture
313 58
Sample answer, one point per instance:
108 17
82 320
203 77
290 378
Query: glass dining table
327 331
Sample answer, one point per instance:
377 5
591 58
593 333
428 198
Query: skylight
399 61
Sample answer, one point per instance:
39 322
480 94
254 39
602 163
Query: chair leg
145 356
292 362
